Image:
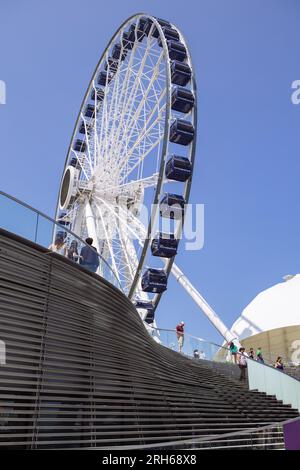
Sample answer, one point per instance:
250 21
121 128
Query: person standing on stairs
180 335
233 350
242 362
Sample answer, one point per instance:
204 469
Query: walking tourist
259 356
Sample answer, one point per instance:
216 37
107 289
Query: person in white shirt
202 355
59 246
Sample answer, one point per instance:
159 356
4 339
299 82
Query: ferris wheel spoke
130 125
134 185
146 122
119 97
108 242
130 97
151 138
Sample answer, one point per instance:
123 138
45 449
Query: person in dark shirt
279 364
251 353
89 258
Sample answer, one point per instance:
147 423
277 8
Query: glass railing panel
22 220
273 382
17 219
44 231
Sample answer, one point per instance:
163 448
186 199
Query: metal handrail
45 216
222 347
211 438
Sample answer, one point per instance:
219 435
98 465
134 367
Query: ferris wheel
129 167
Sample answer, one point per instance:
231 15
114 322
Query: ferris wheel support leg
91 225
201 302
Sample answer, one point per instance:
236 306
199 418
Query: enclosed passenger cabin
154 280
163 23
181 73
172 206
105 78
79 146
181 132
144 304
170 34
61 220
140 29
149 318
149 309
90 111
85 128
112 65
99 93
182 100
177 50
118 53
164 245
178 168
74 162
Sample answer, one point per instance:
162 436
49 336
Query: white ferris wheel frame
121 119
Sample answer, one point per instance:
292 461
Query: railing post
36 227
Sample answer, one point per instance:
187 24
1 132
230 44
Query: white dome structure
272 321
276 307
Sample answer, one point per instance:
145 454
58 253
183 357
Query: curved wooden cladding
81 371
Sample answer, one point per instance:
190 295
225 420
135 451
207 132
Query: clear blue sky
246 54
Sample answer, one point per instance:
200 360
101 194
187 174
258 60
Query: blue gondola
79 146
132 34
112 64
182 132
149 318
177 50
144 304
154 280
147 26
117 52
164 245
127 43
148 307
85 129
163 23
178 168
182 100
170 34
64 223
180 73
140 29
99 93
105 78
74 162
61 220
89 111
172 206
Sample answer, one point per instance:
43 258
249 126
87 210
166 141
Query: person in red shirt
180 335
